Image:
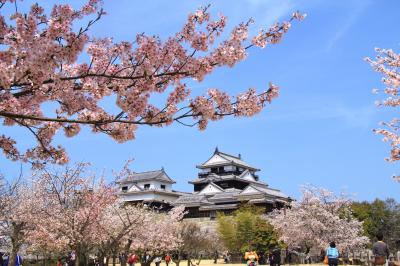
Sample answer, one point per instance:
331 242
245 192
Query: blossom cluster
71 211
387 63
317 219
39 65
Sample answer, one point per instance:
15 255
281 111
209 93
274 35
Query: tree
57 211
120 224
318 218
158 234
387 63
17 206
247 230
39 64
195 240
70 209
380 217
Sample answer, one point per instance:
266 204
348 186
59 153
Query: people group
5 258
134 259
380 251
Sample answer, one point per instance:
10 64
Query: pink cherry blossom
387 63
62 210
317 219
39 65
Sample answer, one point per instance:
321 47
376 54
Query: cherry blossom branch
387 63
39 65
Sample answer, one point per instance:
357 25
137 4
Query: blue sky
318 131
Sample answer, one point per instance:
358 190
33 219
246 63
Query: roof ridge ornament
216 150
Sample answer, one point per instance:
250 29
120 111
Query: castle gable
211 188
246 175
250 190
216 159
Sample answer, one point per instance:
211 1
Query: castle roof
222 159
212 196
246 177
157 175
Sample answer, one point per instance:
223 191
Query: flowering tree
157 235
16 211
387 62
75 212
70 208
137 227
119 225
39 64
318 218
194 241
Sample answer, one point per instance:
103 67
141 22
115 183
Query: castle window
224 185
162 187
146 186
124 188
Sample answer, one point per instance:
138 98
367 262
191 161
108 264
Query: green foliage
380 216
227 230
247 230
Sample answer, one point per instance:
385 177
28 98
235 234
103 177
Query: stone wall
205 223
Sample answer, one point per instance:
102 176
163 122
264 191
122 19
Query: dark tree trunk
15 241
177 258
80 258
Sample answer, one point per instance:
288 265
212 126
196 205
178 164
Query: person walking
157 261
18 260
270 258
215 256
132 259
333 254
167 259
6 258
251 258
380 250
276 255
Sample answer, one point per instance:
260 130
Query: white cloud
268 12
354 13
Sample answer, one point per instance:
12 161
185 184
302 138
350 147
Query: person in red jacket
167 259
133 259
